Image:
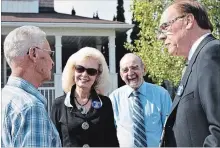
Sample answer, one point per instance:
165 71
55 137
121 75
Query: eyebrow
130 66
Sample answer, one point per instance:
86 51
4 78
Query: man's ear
190 20
32 54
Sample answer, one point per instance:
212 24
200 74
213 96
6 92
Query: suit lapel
189 70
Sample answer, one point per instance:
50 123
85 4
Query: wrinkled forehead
169 14
130 61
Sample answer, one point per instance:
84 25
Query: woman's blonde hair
102 81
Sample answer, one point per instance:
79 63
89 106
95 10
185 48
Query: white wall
25 6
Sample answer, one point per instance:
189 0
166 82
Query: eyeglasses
126 69
51 53
89 71
163 29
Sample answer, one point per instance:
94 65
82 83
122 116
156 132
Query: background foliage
161 66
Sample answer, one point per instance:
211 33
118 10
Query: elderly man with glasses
25 121
194 121
140 108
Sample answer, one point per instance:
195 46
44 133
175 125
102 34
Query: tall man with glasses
25 121
194 120
140 108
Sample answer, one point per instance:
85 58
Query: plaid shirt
25 121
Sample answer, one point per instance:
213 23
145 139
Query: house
65 33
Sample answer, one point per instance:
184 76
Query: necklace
81 107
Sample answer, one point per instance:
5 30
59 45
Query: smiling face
82 78
132 71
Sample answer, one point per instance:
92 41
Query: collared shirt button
85 145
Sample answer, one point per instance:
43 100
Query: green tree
135 31
120 11
120 40
160 65
73 12
213 7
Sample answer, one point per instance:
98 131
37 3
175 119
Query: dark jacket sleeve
209 91
111 139
55 114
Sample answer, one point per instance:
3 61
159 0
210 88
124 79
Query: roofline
74 25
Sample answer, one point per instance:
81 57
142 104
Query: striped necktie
140 139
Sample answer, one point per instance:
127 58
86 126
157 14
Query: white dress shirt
196 44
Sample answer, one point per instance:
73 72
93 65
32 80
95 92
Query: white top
195 45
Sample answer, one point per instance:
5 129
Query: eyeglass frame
126 69
52 53
168 24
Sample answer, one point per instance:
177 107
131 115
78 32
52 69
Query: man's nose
161 37
130 71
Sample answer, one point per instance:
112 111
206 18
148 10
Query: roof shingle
52 18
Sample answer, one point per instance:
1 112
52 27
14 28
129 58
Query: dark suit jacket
195 115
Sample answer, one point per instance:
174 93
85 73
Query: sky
106 8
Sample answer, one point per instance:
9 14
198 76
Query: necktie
140 139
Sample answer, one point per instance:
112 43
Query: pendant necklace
82 107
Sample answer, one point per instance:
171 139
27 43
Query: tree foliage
213 7
120 11
121 39
73 12
160 65
135 31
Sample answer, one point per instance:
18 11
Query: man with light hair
25 121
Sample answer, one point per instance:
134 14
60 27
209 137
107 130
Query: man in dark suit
194 120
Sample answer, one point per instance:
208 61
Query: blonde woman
83 116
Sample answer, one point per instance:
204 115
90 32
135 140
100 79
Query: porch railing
49 94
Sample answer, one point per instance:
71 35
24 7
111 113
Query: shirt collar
67 100
141 89
28 87
195 45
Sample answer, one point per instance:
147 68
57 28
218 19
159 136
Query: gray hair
20 40
102 82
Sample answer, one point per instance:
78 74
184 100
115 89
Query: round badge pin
96 104
85 145
85 125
